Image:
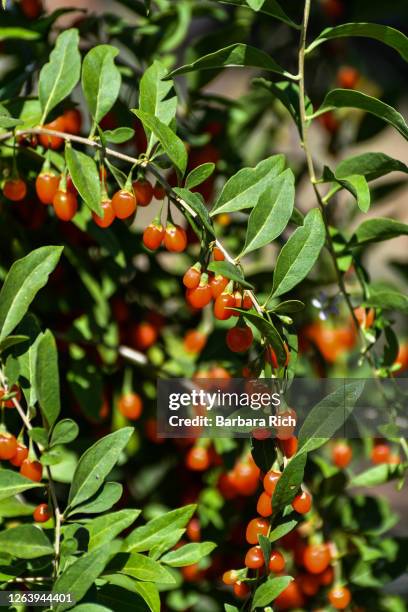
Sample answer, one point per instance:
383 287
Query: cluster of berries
313 559
17 454
203 288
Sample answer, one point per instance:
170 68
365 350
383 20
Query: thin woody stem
304 135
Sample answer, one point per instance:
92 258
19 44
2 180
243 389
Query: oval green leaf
346 98
60 75
289 483
236 55
101 80
389 36
24 279
271 214
376 230
25 542
199 175
299 254
47 378
172 145
149 535
230 271
85 177
244 189
12 483
270 590
81 575
110 494
105 528
188 554
95 464
64 432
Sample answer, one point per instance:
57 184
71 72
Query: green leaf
288 306
271 214
370 165
11 341
172 145
120 135
328 416
8 122
13 507
169 540
118 598
269 332
141 567
23 281
377 475
110 494
356 184
362 575
18 33
105 528
12 483
95 464
153 97
78 577
64 432
149 593
269 590
390 36
199 175
268 7
60 75
235 55
347 98
101 80
27 357
196 203
299 254
147 590
85 177
289 483
281 530
25 542
188 554
387 299
149 535
47 378
376 230
244 189
227 269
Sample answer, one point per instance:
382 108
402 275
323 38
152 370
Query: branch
304 135
142 162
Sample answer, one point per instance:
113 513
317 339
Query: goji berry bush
189 190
